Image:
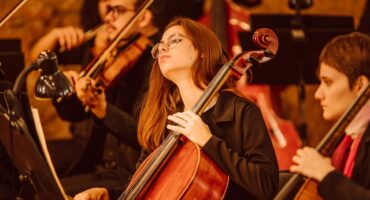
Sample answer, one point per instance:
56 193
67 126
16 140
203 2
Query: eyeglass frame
117 10
155 47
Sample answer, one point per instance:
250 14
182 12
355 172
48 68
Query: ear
361 82
145 19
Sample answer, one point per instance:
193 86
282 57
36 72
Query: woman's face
334 92
176 54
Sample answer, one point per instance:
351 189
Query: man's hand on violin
91 96
311 164
68 37
190 125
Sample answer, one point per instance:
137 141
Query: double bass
158 177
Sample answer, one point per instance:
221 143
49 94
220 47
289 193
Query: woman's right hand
93 194
68 37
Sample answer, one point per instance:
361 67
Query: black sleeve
121 125
336 186
255 170
71 109
79 55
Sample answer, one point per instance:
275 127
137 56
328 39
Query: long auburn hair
163 97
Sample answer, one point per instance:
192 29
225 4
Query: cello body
308 191
191 174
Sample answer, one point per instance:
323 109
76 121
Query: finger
294 169
80 35
177 120
61 39
70 38
300 152
176 129
297 159
192 114
183 116
86 84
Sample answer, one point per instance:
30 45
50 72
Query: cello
158 176
326 146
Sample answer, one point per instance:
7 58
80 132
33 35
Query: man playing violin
112 149
344 71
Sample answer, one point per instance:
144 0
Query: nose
109 17
162 47
319 94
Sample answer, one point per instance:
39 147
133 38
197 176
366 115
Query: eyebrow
170 36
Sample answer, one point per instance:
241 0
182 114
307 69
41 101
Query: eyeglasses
169 44
117 11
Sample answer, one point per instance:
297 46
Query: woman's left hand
190 125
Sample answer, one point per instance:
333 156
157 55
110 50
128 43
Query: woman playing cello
231 130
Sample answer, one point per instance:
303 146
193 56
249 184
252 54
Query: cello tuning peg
269 54
254 61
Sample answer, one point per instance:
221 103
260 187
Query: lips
163 58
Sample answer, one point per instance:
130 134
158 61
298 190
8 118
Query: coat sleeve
71 109
336 186
121 125
254 169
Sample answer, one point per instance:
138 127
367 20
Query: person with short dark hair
344 71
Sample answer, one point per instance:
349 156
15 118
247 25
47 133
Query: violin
120 61
201 178
119 56
325 147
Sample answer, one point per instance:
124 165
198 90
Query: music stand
18 141
296 59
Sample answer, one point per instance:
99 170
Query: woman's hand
93 194
190 125
311 164
91 96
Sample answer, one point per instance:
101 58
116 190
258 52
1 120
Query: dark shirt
241 146
337 186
